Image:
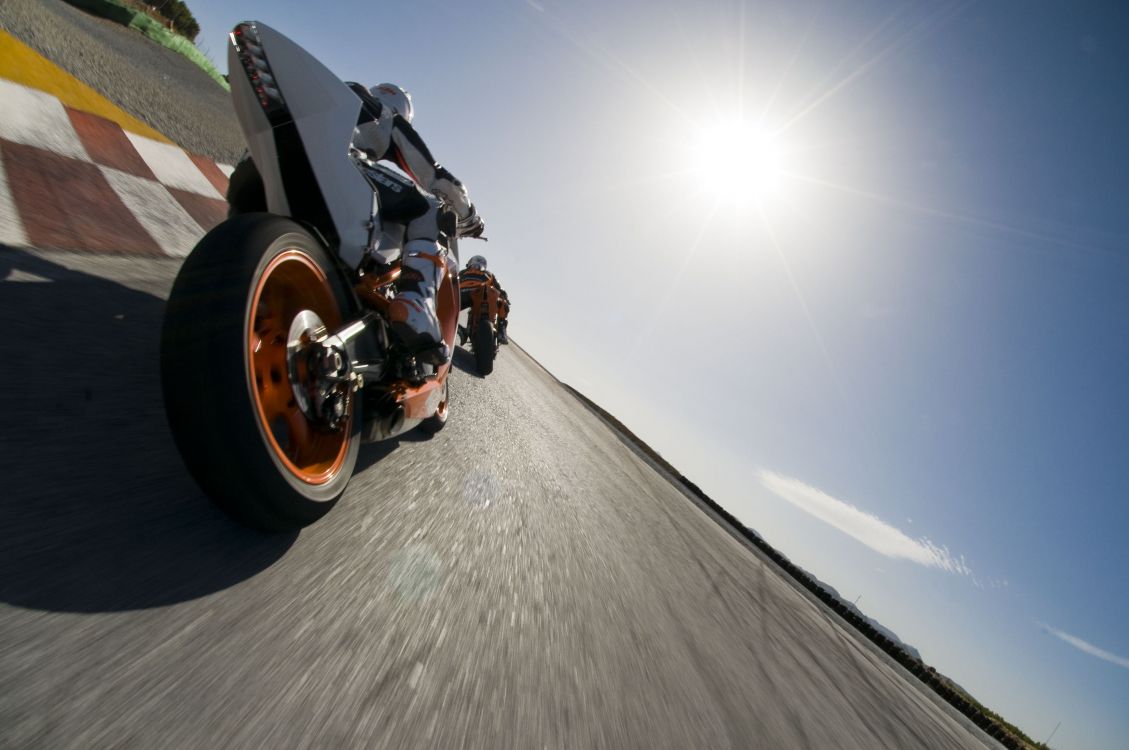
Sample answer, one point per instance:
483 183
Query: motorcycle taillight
249 49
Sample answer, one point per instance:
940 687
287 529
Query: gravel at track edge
152 83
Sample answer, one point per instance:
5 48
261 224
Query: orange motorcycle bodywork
484 299
419 400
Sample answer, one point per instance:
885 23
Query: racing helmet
395 98
478 262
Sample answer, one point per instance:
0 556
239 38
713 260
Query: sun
738 161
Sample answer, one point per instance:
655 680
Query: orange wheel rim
291 283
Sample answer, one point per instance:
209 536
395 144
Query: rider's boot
415 322
502 337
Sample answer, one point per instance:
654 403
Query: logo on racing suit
386 181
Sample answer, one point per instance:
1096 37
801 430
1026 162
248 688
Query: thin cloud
1088 648
864 527
993 584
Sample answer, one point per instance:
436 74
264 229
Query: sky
860 270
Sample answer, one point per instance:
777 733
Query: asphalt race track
522 579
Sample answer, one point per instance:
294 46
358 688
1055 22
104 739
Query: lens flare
739 160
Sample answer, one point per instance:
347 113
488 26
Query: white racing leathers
384 135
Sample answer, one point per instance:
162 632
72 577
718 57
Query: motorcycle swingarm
364 341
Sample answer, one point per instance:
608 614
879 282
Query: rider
476 271
384 132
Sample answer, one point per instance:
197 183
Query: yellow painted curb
21 64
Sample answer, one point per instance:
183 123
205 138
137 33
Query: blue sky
891 338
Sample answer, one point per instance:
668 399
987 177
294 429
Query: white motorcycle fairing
298 118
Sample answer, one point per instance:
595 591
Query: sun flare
739 161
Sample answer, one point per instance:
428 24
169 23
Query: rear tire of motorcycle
484 347
214 404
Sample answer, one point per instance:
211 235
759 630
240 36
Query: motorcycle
277 359
482 322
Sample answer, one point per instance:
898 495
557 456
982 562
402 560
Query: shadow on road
464 360
372 453
97 512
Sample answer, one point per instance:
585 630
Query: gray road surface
520 580
159 86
